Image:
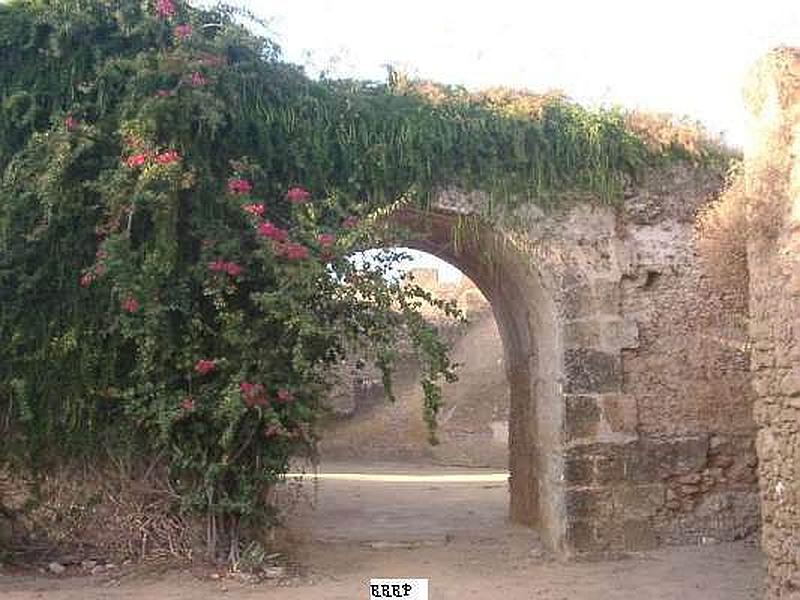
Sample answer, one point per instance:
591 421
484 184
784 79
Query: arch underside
520 307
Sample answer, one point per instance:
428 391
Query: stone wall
630 419
773 187
642 431
688 371
658 436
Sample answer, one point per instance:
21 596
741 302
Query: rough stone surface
630 413
773 186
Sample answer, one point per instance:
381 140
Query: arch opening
526 327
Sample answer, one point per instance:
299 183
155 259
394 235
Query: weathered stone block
590 371
639 534
599 296
654 459
596 464
585 333
621 334
588 503
639 501
595 539
619 413
610 468
607 333
581 417
579 535
579 470
790 385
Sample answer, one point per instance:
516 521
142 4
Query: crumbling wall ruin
633 374
657 435
773 190
630 408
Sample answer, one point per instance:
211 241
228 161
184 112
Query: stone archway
562 336
524 315
621 436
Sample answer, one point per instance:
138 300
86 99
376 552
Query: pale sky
686 57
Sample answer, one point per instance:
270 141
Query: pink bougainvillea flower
233 269
272 430
86 279
253 394
99 269
284 396
239 186
165 93
350 222
196 79
136 160
130 304
70 124
298 195
187 403
204 366
257 210
295 251
272 232
291 250
221 266
326 240
167 157
165 9
182 31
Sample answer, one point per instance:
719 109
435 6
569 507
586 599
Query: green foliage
146 306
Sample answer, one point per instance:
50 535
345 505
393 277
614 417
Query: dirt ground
445 524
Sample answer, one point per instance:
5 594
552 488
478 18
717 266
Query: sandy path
453 533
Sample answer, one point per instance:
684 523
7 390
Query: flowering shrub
167 158
257 210
165 9
153 308
182 31
272 232
137 160
130 304
204 366
239 186
298 195
326 240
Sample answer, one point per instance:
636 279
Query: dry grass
98 512
721 233
663 132
752 209
768 194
